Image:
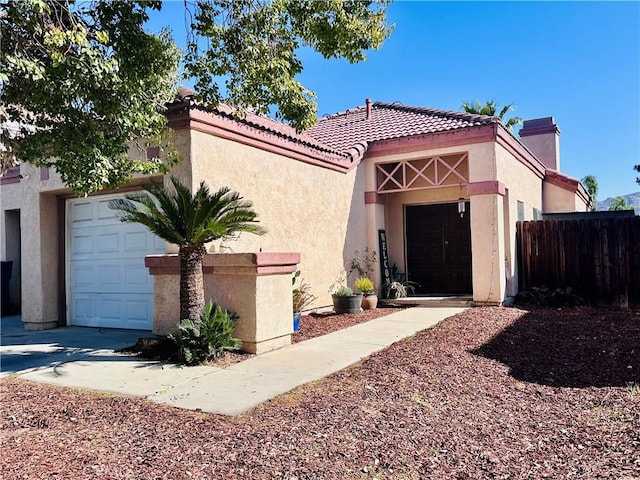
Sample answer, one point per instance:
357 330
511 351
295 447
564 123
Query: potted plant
398 289
302 298
345 300
369 298
364 263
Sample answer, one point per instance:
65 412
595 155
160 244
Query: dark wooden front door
438 248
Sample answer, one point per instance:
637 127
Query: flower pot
348 304
296 321
370 302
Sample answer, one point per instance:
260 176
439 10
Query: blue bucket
296 322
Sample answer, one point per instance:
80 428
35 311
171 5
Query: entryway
438 248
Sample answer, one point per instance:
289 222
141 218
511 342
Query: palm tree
490 108
189 221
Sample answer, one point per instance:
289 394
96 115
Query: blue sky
578 62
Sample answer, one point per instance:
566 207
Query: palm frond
512 122
179 217
490 108
505 109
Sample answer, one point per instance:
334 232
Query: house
446 188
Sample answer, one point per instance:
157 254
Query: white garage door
108 284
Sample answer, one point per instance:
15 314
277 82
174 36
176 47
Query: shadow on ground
570 347
22 350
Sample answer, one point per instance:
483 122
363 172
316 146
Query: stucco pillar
257 286
487 244
39 260
375 205
374 211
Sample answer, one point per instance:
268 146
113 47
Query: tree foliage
490 108
591 184
82 82
637 169
91 80
619 203
253 46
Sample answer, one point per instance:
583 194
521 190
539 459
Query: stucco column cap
262 263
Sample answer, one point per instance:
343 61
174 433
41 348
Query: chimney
541 136
368 103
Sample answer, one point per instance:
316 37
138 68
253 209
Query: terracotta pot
370 302
350 304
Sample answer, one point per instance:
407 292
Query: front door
438 248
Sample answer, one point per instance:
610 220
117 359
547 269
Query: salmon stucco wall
317 212
559 200
38 244
521 185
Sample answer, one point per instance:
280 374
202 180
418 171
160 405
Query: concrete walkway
241 386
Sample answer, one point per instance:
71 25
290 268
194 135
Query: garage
108 284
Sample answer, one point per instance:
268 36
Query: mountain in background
633 199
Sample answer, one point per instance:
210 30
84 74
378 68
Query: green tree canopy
91 80
637 169
490 108
619 203
591 185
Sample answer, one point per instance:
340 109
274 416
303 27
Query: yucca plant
208 338
189 221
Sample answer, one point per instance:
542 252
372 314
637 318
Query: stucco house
445 187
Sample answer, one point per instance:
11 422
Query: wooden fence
598 258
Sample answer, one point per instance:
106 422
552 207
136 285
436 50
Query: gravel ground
492 393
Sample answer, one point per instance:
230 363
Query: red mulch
492 393
317 324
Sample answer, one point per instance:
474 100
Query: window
537 214
520 211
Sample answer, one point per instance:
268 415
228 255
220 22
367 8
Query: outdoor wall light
461 207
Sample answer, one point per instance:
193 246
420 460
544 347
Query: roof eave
184 115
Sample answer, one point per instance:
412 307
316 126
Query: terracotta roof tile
389 120
274 127
346 135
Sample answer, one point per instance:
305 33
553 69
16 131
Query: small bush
544 296
364 285
344 292
207 339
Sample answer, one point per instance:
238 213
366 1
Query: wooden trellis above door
432 172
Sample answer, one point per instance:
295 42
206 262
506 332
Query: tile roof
261 123
345 136
387 121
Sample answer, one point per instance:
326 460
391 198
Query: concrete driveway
85 358
22 351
